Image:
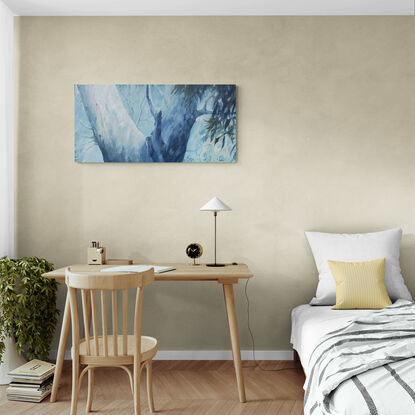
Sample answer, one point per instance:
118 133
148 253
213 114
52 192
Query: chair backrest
92 283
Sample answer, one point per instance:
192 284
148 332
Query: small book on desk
138 268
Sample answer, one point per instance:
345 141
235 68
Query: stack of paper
138 268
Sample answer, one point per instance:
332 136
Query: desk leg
66 323
233 331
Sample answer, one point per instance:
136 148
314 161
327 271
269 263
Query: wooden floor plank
185 388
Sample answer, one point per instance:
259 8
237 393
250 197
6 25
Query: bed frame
296 358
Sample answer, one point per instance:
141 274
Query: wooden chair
109 349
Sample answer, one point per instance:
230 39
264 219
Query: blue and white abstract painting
155 123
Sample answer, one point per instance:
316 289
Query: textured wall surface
325 142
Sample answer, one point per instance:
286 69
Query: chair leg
149 370
90 389
136 376
75 385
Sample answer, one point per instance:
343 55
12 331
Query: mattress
311 323
376 374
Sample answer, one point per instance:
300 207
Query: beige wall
325 142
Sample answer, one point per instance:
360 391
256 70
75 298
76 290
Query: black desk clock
194 251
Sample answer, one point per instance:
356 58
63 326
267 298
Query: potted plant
28 313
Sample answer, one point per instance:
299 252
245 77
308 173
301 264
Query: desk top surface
183 272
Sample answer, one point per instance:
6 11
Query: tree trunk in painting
118 137
173 123
115 133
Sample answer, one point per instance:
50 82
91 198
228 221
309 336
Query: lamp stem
215 215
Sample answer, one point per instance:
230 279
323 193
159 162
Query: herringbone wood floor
182 387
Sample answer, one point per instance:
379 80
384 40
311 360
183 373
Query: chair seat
148 351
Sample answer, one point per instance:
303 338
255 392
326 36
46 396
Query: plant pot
11 360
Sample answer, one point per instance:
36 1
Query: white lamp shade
215 205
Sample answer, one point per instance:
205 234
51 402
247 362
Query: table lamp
215 205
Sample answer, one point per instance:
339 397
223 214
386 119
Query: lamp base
215 265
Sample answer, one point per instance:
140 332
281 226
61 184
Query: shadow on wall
407 260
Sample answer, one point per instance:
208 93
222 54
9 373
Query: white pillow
357 247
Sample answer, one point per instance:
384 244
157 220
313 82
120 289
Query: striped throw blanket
371 360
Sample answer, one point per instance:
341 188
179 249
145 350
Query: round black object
194 250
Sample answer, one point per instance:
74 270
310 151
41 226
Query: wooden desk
227 276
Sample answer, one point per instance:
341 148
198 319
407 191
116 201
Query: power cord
253 340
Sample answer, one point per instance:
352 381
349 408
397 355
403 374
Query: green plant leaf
27 305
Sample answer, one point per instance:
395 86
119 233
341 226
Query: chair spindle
104 322
124 321
85 309
114 322
94 321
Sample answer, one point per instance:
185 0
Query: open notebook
138 268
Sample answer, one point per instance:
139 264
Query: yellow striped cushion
360 284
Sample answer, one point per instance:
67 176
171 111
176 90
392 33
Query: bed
310 323
357 362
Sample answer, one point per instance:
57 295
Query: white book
138 268
25 398
28 391
35 369
34 385
31 379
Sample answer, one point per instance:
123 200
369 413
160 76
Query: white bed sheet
310 323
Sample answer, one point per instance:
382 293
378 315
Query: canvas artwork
155 123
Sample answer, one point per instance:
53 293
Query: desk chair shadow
108 349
